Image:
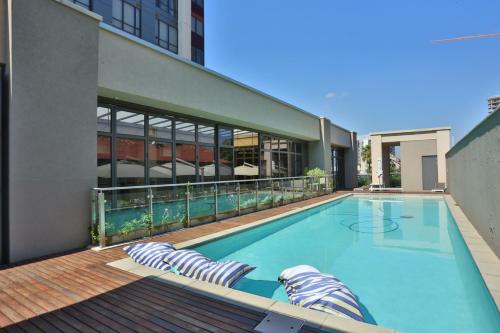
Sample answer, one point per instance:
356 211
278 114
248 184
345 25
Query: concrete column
52 126
376 146
184 26
443 144
320 152
386 164
351 163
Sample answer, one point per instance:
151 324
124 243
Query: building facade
493 103
90 103
174 25
422 160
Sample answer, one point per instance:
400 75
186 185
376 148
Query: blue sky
366 65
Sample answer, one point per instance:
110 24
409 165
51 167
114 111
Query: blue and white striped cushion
195 265
309 288
150 254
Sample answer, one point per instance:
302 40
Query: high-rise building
493 103
174 25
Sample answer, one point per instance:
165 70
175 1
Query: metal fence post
216 209
303 188
239 198
150 208
93 212
188 218
102 219
272 193
282 192
257 195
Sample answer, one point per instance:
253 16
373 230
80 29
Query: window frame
137 25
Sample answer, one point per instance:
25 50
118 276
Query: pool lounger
150 254
309 288
193 264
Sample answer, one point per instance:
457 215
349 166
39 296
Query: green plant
366 156
94 232
316 172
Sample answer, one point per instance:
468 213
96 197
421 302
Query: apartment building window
196 26
197 55
169 6
198 2
83 3
166 36
127 17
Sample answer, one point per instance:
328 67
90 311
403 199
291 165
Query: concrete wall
320 152
351 162
52 126
134 71
340 137
411 162
474 178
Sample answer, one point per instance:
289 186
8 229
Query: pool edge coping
483 256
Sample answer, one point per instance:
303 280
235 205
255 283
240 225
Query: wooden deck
78 292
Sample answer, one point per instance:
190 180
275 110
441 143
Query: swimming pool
403 256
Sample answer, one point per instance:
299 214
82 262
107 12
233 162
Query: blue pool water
403 256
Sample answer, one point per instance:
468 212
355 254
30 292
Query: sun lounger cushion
193 264
309 288
150 254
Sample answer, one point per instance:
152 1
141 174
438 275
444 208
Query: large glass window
185 131
138 148
169 6
126 17
197 26
160 163
129 162
166 36
160 128
226 163
206 134
206 168
129 123
246 151
197 55
104 161
103 119
83 3
225 136
185 162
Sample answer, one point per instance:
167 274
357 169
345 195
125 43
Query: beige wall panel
411 162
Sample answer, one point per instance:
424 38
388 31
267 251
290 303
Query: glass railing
121 214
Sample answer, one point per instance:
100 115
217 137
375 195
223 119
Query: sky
366 65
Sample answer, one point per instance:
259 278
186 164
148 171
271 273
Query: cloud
330 95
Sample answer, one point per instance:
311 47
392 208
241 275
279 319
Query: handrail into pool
196 196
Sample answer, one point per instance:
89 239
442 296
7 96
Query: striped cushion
308 288
150 254
195 265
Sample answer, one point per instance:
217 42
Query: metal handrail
102 189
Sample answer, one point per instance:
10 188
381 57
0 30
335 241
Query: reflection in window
206 168
226 164
185 131
160 163
197 26
129 123
266 164
225 136
103 119
168 6
83 3
166 36
206 134
160 128
104 161
275 171
185 166
246 151
266 142
126 17
129 162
